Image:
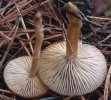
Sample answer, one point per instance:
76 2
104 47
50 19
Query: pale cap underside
16 76
76 76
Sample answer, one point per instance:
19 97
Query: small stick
105 39
52 37
21 31
1 90
107 84
24 46
99 18
5 36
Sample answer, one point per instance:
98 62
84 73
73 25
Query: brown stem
37 48
73 30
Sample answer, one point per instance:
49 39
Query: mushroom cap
16 76
76 76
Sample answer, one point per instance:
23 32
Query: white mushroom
72 71
21 75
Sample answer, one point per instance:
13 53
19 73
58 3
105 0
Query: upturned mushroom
74 69
21 75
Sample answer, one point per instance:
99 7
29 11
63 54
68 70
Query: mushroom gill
21 75
74 69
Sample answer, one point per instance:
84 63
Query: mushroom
71 67
21 74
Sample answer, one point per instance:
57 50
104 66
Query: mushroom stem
37 48
73 31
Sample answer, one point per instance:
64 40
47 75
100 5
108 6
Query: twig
54 36
5 36
25 48
99 18
107 84
1 90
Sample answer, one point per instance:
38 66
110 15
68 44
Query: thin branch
107 84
